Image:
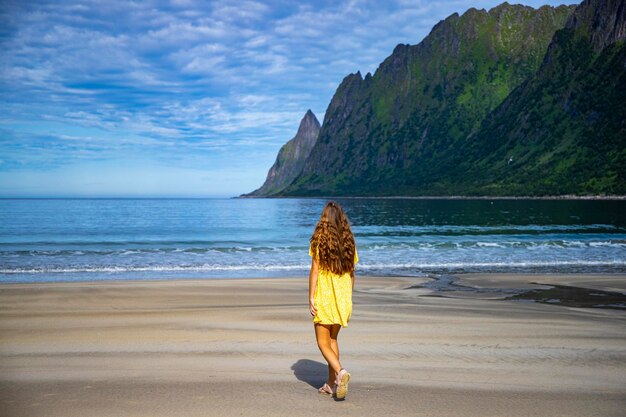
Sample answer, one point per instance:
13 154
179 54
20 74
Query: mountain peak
603 20
309 123
503 7
291 157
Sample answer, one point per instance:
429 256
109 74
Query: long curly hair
333 242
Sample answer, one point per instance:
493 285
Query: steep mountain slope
392 133
291 157
563 131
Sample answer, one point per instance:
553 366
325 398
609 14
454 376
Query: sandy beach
246 348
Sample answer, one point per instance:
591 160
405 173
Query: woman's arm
356 260
313 286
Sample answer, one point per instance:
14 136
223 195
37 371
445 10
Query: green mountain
564 130
397 132
291 157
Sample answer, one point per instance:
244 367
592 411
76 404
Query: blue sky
179 98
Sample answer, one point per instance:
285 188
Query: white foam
445 265
304 267
489 245
164 268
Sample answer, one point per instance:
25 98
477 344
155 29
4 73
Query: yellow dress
333 296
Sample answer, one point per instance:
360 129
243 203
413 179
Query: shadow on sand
312 372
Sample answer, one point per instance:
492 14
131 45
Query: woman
331 281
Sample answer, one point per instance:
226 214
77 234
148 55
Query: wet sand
246 347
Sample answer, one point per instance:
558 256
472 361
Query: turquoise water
99 239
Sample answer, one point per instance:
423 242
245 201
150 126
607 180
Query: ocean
44 240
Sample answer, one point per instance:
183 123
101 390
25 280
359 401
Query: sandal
343 377
326 389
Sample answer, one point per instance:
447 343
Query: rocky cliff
291 157
563 131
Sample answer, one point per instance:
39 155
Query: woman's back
333 248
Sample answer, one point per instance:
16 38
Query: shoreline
399 197
245 346
456 278
455 197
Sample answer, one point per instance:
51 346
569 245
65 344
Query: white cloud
203 65
180 32
241 10
257 41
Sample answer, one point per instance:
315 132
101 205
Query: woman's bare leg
334 332
323 334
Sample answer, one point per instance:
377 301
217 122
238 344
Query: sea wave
364 232
513 264
468 244
404 230
138 251
382 246
300 267
158 268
